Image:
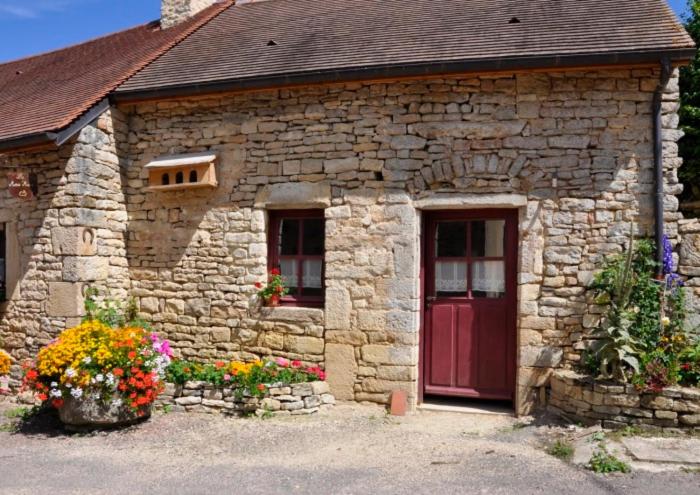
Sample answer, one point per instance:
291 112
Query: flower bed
276 399
275 387
580 398
5 363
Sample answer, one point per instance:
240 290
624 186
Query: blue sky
33 26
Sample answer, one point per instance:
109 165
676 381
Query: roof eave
677 56
29 141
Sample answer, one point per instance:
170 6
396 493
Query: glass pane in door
451 278
488 279
451 240
488 238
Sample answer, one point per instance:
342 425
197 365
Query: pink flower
321 375
227 377
282 362
296 364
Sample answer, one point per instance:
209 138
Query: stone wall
579 398
277 400
570 150
173 12
71 235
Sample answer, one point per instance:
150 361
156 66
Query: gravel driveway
351 449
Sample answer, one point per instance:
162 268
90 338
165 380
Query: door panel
470 307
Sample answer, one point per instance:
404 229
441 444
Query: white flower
70 372
77 393
100 377
87 360
117 402
665 321
54 385
55 393
69 385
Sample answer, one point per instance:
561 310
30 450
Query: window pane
313 236
290 275
451 278
451 239
488 238
289 237
312 278
488 279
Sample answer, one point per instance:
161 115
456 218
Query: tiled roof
280 41
47 92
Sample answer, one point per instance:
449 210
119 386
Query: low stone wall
580 398
278 400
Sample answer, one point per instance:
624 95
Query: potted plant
98 376
272 292
5 363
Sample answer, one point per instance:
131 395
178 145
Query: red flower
132 354
219 364
321 375
275 271
296 364
258 285
42 397
118 372
279 289
261 386
32 375
57 403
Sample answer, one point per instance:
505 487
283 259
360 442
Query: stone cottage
437 181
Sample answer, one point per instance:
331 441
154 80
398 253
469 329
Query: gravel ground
351 449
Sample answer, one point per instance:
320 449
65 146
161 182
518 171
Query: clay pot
272 301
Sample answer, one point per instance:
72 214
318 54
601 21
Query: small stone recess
580 398
278 399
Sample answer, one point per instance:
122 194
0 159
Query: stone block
540 357
65 299
73 241
294 195
304 345
85 268
338 308
341 370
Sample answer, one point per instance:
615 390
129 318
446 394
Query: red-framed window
296 246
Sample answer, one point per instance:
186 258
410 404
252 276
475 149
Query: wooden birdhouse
191 171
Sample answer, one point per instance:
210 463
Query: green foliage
689 145
603 462
689 365
115 314
642 331
251 378
561 449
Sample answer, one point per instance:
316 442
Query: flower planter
272 302
88 413
278 399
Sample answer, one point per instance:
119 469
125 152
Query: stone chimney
173 12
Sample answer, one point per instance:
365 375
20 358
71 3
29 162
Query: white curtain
311 278
289 272
451 276
489 276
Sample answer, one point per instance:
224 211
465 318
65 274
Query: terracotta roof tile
47 92
314 37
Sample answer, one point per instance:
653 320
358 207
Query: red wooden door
470 306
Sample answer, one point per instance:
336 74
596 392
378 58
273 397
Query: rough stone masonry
571 151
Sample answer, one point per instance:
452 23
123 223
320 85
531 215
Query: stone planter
279 399
613 405
87 413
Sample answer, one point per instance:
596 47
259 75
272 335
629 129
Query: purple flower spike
668 256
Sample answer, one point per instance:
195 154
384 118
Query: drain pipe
659 163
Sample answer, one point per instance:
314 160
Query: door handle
429 300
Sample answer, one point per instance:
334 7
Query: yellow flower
5 362
665 321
